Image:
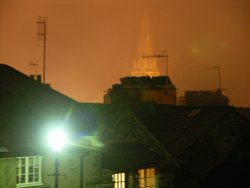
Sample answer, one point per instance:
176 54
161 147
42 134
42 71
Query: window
28 171
146 178
119 180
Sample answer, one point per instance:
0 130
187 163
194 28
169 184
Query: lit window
146 178
28 171
119 180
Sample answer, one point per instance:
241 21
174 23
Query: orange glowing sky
93 43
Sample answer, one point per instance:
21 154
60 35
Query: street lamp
57 139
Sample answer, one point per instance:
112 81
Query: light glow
57 139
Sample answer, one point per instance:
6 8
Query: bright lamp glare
57 139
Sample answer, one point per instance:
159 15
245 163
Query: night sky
93 43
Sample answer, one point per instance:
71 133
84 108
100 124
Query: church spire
145 66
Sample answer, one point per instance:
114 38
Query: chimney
39 78
32 76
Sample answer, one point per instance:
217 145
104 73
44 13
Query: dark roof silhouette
245 112
118 154
202 140
101 117
28 109
199 138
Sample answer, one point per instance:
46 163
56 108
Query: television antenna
158 56
42 34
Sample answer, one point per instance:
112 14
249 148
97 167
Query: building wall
92 168
69 169
206 98
8 172
159 96
74 173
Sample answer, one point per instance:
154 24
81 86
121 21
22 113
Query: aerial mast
42 34
158 56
